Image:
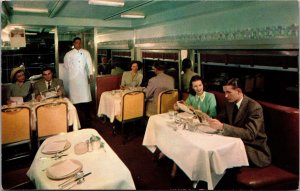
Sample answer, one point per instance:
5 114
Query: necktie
234 112
49 85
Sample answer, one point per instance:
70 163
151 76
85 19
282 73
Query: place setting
69 170
193 122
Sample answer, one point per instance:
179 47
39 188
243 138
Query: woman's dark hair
193 79
136 62
14 79
186 63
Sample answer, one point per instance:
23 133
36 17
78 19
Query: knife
68 183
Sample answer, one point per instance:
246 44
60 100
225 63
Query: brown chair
51 119
16 131
166 100
132 108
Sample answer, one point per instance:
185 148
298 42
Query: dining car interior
149 94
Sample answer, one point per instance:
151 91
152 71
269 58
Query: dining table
110 102
202 155
100 166
73 119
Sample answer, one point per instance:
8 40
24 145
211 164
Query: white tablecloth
108 171
110 105
201 156
73 118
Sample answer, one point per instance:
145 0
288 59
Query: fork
77 175
77 183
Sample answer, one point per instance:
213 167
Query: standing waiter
79 71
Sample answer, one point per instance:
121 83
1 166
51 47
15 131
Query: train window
169 57
268 75
39 52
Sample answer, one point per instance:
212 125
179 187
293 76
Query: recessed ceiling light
132 16
115 3
31 10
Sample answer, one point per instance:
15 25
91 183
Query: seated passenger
48 83
242 117
132 78
116 68
20 87
157 84
104 67
199 99
188 74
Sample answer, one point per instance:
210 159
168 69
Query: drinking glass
171 113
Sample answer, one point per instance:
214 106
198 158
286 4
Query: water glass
96 145
171 114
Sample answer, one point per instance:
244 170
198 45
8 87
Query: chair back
16 125
133 105
52 119
166 100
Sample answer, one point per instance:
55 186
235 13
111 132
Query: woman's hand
176 108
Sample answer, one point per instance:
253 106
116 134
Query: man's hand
38 97
214 123
59 92
90 79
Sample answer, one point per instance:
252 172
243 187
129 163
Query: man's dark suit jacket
249 126
40 86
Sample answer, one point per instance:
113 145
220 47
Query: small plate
67 146
54 171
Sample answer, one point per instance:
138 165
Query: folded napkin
185 115
62 169
184 107
55 146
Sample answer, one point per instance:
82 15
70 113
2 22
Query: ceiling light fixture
31 10
114 3
132 16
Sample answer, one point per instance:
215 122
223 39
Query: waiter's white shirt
78 67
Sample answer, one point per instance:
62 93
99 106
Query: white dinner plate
67 146
63 169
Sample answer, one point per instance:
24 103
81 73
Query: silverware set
74 180
57 156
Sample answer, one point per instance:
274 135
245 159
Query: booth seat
106 83
282 129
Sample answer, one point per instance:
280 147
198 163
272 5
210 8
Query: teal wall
258 24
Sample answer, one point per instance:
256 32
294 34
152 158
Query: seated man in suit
48 83
156 85
243 118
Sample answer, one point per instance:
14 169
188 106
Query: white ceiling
78 15
74 15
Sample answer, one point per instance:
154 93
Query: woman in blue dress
199 99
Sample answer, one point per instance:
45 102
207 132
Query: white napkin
55 146
62 169
185 115
184 107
